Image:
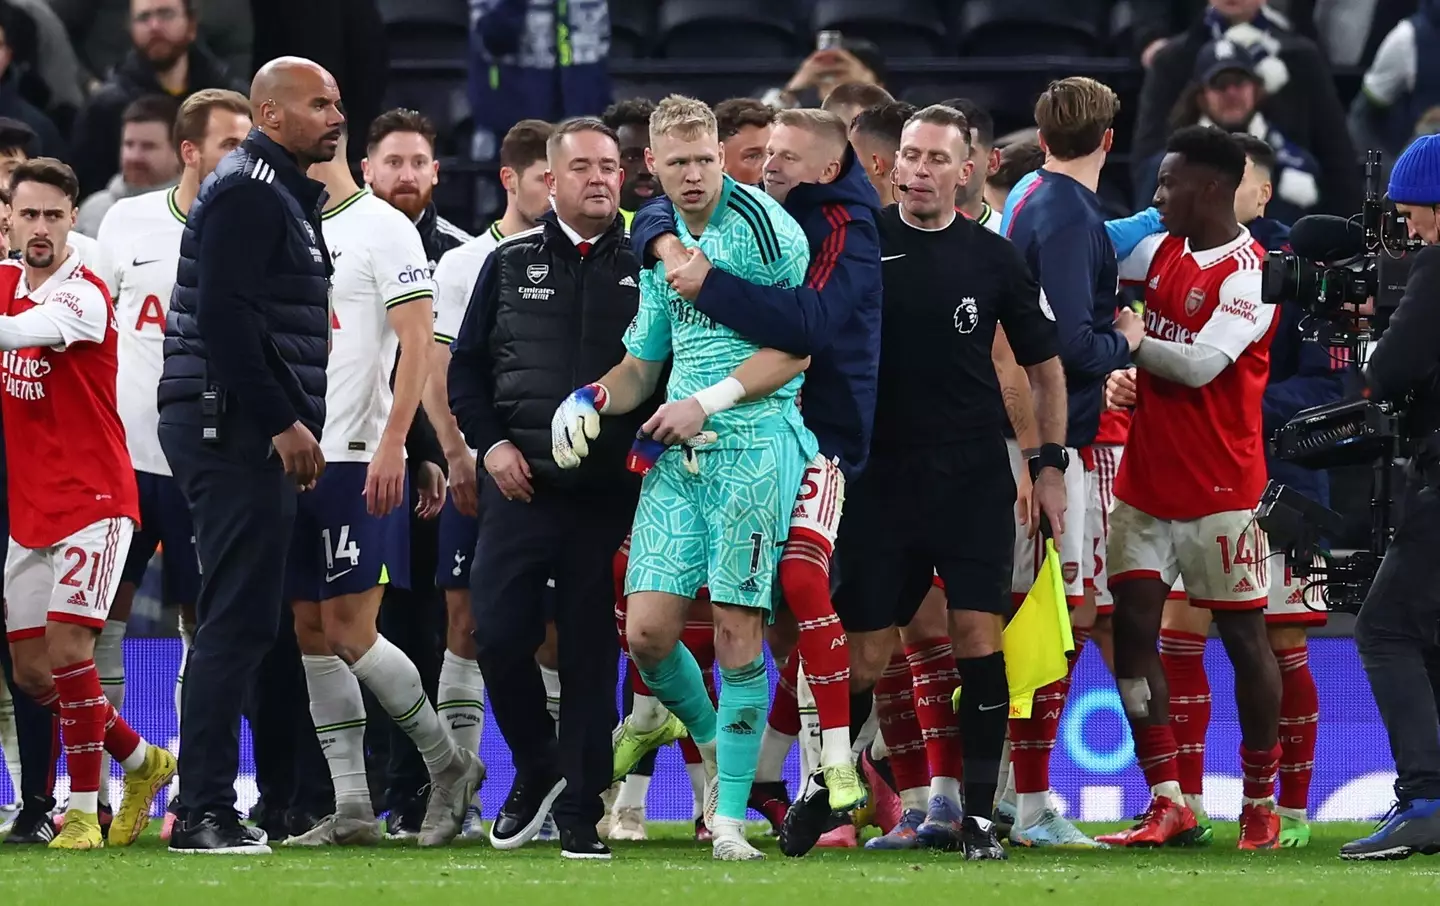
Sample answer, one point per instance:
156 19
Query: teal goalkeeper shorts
723 528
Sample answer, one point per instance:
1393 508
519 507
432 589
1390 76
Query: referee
938 492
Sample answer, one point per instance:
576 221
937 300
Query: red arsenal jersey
1196 451
64 444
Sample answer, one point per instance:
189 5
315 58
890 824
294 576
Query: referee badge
967 315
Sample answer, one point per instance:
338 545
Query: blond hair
822 124
1074 114
687 118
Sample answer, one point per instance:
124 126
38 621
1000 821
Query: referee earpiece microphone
899 187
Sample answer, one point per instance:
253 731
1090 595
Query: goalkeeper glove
646 451
575 423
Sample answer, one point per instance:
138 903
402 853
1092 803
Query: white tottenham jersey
139 252
379 263
455 278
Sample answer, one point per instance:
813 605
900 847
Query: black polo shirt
945 290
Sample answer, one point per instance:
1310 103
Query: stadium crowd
822 374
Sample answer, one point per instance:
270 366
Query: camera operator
1400 619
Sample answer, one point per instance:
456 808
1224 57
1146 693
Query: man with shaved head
242 403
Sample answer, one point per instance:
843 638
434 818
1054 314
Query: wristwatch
1050 456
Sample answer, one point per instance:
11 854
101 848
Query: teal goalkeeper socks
744 702
680 686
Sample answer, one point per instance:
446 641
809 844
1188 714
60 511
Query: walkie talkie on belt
212 406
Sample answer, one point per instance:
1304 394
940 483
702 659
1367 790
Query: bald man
242 403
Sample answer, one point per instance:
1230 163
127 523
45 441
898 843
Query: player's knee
1286 638
869 652
648 645
975 633
33 676
1135 697
69 644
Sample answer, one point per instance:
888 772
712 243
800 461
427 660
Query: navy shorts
164 522
338 548
457 548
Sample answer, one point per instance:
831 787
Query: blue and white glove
576 423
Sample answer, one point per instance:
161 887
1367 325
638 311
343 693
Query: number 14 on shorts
342 548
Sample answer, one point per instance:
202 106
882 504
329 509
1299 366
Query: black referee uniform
937 495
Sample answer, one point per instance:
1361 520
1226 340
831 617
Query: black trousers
290 768
1397 632
243 507
573 539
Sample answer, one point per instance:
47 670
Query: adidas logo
627 280
798 512
741 727
750 586
78 600
1155 282
1296 597
1244 586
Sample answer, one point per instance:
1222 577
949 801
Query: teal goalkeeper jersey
750 236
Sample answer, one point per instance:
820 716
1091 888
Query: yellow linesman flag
1038 640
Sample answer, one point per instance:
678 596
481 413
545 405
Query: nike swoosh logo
330 578
139 263
891 257
982 707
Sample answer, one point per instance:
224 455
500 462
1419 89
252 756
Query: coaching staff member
1400 620
938 493
242 401
546 316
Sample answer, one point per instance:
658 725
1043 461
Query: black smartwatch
1050 456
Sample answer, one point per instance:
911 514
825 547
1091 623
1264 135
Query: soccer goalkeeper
713 515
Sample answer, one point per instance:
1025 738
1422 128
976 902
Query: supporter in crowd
98 27
1304 99
17 145
515 46
165 58
147 159
855 60
12 103
1397 91
56 81
745 126
631 121
1228 92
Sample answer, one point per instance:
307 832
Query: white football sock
879 751
646 713
949 787
697 786
110 664
774 749
460 701
338 711
10 740
187 641
915 799
1005 785
633 792
1029 807
1170 789
1298 814
835 747
395 683
1196 802
552 693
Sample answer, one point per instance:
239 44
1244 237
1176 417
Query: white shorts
73 581
1097 519
1075 566
1294 601
816 516
1223 557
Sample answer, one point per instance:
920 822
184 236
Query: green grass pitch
672 869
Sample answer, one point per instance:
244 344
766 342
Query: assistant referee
938 493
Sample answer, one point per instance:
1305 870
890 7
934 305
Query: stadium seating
734 28
1077 28
632 28
423 28
900 28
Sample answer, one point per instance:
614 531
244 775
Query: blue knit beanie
1416 177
